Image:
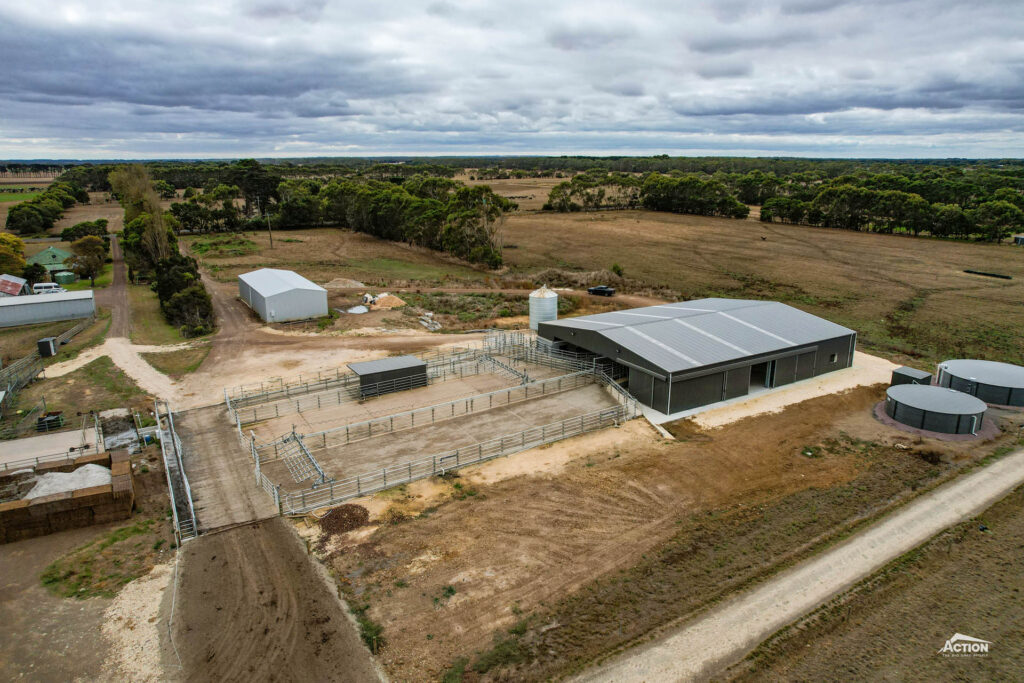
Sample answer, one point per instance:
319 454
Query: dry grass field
529 193
966 580
531 567
907 298
328 253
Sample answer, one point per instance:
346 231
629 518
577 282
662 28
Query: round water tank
543 306
998 383
934 409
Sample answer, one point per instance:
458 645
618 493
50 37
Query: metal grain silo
543 306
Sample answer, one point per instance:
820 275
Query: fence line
171 450
335 492
358 431
355 392
17 374
278 388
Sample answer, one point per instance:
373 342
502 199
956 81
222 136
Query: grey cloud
712 70
318 77
585 37
306 10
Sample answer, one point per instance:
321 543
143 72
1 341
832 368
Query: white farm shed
46 308
281 295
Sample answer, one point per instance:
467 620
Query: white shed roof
28 299
270 281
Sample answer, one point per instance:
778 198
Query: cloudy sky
215 78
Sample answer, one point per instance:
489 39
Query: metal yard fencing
358 431
335 492
353 391
182 508
17 374
279 388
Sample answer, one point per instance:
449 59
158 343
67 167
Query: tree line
676 193
151 251
981 206
39 214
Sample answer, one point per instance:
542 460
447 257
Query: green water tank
64 278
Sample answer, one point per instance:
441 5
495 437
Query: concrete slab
395 448
46 444
866 370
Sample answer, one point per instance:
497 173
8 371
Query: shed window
832 358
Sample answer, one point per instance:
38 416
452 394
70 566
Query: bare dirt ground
395 448
359 411
595 513
44 633
252 607
729 632
99 206
965 580
219 470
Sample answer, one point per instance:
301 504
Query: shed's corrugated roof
367 367
28 299
50 256
11 285
690 334
270 281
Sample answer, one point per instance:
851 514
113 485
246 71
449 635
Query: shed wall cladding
280 295
43 308
705 349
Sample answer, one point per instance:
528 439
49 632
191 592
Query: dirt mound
344 518
343 283
387 302
555 277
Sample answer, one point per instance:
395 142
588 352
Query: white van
47 288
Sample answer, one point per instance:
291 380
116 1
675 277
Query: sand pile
386 302
84 477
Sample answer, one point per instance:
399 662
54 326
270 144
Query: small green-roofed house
51 258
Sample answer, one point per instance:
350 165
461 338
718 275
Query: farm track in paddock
369 455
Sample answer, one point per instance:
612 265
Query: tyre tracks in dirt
252 607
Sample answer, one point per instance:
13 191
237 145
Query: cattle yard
317 441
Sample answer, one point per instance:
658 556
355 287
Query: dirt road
115 297
252 607
725 635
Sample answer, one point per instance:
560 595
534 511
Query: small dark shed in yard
383 376
905 375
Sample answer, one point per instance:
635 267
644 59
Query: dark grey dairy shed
680 356
383 376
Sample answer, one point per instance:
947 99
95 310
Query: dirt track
728 633
252 607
